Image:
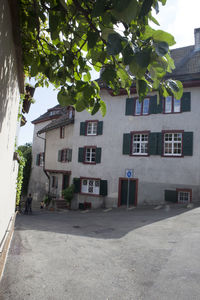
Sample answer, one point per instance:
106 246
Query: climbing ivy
22 162
63 40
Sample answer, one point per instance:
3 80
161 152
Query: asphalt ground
143 253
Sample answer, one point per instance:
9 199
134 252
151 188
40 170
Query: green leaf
129 13
103 108
108 74
146 7
99 8
136 69
96 108
161 48
142 89
92 38
162 36
127 55
64 98
87 77
176 87
80 105
114 45
143 57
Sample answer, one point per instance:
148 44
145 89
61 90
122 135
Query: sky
178 17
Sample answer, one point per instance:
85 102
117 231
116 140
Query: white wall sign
129 173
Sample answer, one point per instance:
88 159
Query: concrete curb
6 245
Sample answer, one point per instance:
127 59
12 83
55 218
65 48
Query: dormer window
70 112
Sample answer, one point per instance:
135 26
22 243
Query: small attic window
54 112
70 112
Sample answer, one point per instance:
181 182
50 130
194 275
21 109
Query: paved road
138 254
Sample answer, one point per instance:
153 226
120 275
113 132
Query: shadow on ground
97 224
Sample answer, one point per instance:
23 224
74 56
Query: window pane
145 106
92 128
168 104
138 106
177 105
140 144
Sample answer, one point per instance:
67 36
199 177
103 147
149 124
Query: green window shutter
153 105
152 143
186 102
188 143
69 154
160 106
77 185
59 155
103 187
129 107
81 154
171 196
159 143
126 143
37 159
155 143
100 127
98 155
82 128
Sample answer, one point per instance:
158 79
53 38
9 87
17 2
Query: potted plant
47 200
68 194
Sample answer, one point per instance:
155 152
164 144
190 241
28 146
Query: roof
187 63
49 116
62 121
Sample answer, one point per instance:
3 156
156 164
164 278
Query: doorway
65 182
123 190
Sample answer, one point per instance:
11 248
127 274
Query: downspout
44 161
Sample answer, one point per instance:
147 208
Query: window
184 196
65 155
90 186
142 108
54 112
62 132
172 105
140 143
40 159
70 112
173 144
92 128
90 155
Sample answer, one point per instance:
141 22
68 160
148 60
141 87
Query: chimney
197 39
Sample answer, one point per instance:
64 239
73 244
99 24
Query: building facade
11 85
158 142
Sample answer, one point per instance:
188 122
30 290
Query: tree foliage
26 151
62 40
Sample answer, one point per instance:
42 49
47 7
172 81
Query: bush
47 200
68 193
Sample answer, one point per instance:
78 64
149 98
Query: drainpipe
44 161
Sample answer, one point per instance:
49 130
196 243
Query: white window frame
90 155
184 197
173 108
92 127
90 186
141 106
143 144
173 142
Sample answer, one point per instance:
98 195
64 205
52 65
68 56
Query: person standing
28 209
